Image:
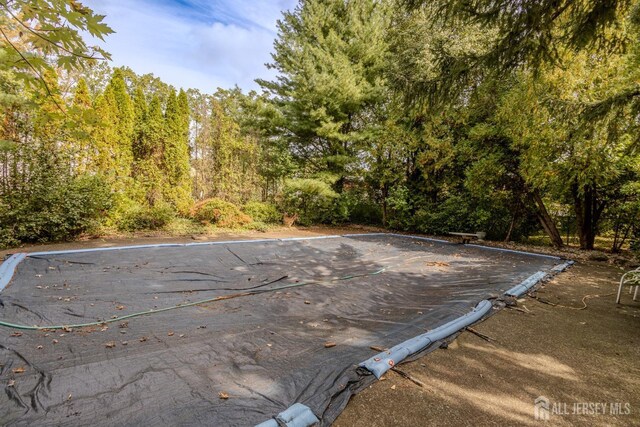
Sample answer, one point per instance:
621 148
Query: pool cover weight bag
255 349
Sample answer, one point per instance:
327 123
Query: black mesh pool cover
236 361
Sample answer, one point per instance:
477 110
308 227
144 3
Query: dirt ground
572 345
569 355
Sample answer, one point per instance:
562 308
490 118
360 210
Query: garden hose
175 307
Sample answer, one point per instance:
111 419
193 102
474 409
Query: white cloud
196 43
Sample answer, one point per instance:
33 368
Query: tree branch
35 33
38 74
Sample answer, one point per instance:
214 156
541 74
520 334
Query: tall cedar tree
176 151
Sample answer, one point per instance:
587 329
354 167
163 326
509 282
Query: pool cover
289 328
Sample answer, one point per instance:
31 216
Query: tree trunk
385 194
545 220
620 238
587 214
511 226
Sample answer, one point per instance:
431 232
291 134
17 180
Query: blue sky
194 43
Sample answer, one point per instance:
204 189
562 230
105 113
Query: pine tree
330 56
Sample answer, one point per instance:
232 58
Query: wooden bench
468 237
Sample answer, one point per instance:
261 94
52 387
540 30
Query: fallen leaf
170 334
223 395
11 383
123 325
119 307
376 348
19 370
69 397
393 387
125 342
181 335
438 264
39 347
329 344
55 341
67 329
110 344
143 339
16 334
307 302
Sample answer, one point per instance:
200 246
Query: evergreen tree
330 56
524 32
582 166
124 124
138 147
149 161
80 120
104 137
176 151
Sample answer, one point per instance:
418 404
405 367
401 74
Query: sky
203 44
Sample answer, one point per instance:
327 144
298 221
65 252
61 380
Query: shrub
141 218
182 226
222 214
357 207
263 212
257 226
311 199
399 209
53 211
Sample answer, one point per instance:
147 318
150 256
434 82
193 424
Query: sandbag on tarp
248 355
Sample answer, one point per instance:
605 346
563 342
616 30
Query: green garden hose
191 304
